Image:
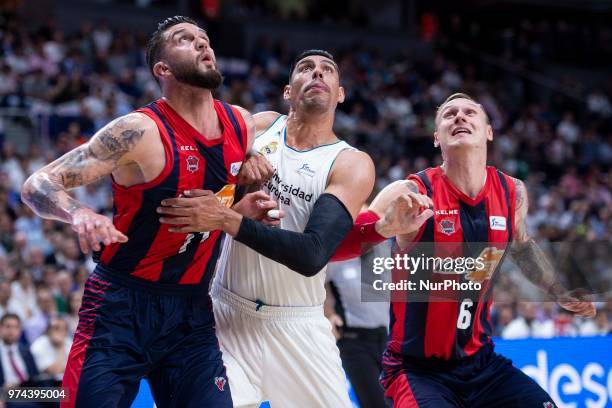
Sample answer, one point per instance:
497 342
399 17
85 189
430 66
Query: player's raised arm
398 210
534 263
46 191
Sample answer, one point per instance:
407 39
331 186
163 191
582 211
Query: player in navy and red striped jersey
439 352
145 311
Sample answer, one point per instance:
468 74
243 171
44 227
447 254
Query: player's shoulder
138 122
353 164
512 182
351 157
265 120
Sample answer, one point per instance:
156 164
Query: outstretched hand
405 215
578 302
258 206
93 229
195 211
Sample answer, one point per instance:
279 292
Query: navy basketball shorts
485 379
126 334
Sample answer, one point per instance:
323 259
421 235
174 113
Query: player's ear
340 94
160 69
287 92
489 133
436 140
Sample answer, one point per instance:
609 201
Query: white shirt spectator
520 329
45 354
25 297
15 306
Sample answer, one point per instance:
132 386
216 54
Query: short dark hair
310 53
156 42
459 95
10 316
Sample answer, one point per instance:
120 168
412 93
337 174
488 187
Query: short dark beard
190 75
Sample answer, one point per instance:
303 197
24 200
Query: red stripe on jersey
477 330
196 270
243 128
125 210
170 241
497 206
93 297
400 392
397 330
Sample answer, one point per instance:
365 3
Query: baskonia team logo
193 164
447 227
220 383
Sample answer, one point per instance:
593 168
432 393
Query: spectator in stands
8 303
65 285
18 366
50 351
23 290
74 304
47 309
598 327
526 325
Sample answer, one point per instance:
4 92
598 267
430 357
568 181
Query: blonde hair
458 95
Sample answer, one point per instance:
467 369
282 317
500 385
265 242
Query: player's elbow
312 265
28 188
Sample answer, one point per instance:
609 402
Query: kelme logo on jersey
269 148
235 168
548 404
497 223
306 170
220 383
193 164
447 227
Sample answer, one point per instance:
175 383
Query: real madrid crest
269 148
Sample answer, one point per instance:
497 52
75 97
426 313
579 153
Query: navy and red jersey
152 253
459 324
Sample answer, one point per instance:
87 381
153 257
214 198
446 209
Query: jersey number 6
465 316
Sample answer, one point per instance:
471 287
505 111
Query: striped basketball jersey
152 253
457 325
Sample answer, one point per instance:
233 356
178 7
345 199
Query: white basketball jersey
299 179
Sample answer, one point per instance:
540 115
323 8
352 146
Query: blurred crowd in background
561 146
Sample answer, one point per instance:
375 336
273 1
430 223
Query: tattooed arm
45 191
534 263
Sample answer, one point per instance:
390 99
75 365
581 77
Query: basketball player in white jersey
270 283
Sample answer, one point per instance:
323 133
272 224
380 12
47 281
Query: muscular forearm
48 198
535 266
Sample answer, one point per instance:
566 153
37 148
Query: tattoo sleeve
527 254
45 192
